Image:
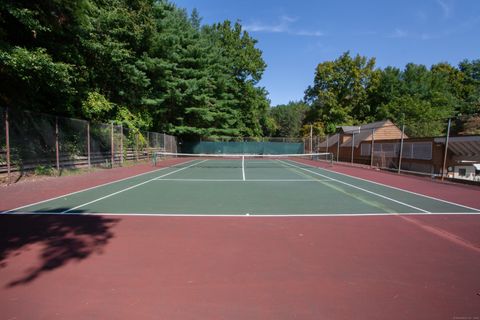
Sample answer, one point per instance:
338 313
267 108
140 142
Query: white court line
129 188
392 187
91 188
359 188
249 180
243 167
244 215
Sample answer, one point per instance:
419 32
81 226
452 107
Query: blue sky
295 36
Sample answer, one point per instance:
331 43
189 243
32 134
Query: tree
142 62
471 86
340 92
421 117
289 119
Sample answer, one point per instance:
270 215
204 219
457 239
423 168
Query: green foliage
144 63
149 65
341 90
32 78
44 171
289 119
350 91
422 118
316 129
96 106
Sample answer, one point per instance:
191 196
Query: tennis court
242 185
240 237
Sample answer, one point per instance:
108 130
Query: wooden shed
380 130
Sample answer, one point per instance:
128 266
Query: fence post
149 146
121 144
136 147
111 145
326 141
57 151
311 138
401 150
7 142
338 146
353 143
446 149
371 149
88 145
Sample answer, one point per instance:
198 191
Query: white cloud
398 33
288 19
427 36
446 8
283 26
309 33
260 27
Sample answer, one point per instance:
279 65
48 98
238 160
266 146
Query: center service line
243 167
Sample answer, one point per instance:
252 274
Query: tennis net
241 160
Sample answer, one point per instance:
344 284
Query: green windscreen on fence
244 147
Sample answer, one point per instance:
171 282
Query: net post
7 142
401 150
446 149
371 148
112 155
57 153
88 146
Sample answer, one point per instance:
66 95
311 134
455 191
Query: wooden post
401 150
121 144
446 149
338 146
147 145
111 145
88 146
136 146
326 141
353 143
371 147
7 142
311 138
57 149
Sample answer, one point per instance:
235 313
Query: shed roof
373 125
463 147
330 141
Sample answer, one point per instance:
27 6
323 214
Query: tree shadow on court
62 238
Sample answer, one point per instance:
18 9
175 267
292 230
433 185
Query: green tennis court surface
244 187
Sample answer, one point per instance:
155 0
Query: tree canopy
144 60
151 65
350 90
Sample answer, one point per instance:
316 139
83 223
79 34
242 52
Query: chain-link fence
47 144
445 149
